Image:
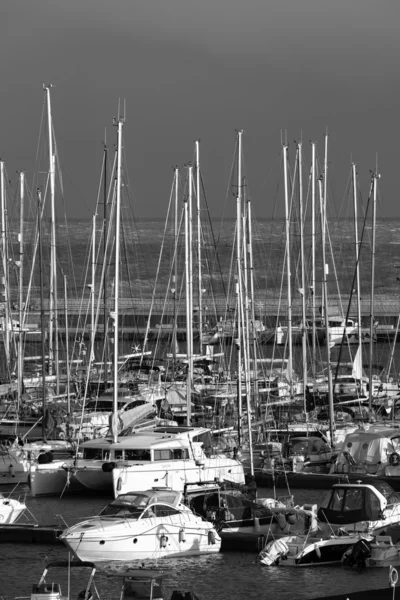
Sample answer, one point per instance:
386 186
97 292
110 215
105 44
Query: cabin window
92 453
166 511
118 454
159 510
171 454
354 500
337 500
137 454
135 404
179 454
163 454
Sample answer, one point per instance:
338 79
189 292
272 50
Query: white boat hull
10 510
128 478
143 539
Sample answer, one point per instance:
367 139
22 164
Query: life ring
393 576
394 459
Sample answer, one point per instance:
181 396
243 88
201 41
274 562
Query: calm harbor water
226 576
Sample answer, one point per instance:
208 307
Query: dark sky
202 69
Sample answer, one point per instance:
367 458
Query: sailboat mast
67 350
199 266
325 294
375 178
53 316
252 300
244 306
288 273
21 285
44 401
189 298
238 285
357 249
7 320
303 281
120 123
92 289
313 268
190 215
175 271
105 226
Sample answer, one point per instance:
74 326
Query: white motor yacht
142 525
168 456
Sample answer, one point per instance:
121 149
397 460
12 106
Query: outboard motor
274 552
357 554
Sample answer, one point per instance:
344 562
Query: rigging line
354 275
216 257
170 205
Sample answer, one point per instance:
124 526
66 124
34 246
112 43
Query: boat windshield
126 505
344 505
222 505
103 405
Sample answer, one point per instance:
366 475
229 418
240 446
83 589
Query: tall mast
303 280
357 254
190 215
325 293
120 123
288 267
92 290
4 249
252 300
199 266
238 286
105 231
245 307
21 285
175 272
67 350
53 312
313 281
39 212
189 296
375 178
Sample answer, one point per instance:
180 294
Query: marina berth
142 525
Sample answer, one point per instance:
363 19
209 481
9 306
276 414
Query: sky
203 69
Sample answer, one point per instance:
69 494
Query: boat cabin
351 503
155 502
160 444
375 450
